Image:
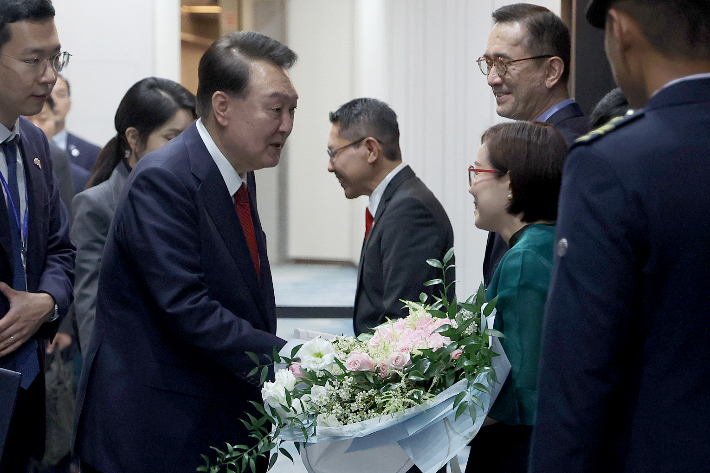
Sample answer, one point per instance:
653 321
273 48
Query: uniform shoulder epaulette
613 124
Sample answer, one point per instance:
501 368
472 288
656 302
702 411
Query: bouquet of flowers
413 392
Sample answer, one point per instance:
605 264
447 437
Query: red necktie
368 222
241 203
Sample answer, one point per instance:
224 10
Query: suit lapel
37 194
220 209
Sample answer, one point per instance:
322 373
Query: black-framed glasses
58 61
473 172
485 64
333 153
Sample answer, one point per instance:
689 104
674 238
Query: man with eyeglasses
527 63
36 256
405 223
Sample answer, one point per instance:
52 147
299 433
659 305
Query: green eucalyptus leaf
433 282
449 254
461 409
264 374
482 388
416 376
272 461
477 401
286 454
294 350
494 333
459 398
253 357
434 263
423 297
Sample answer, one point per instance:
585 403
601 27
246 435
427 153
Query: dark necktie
368 222
241 203
26 360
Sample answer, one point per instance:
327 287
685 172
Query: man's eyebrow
40 50
283 95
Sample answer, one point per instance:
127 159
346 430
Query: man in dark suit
406 224
625 353
527 62
81 152
185 288
36 256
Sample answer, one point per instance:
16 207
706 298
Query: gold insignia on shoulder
38 163
608 127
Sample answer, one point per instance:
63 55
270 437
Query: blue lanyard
16 213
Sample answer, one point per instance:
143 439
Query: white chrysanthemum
328 420
316 355
286 379
274 394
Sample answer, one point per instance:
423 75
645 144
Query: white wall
113 45
418 56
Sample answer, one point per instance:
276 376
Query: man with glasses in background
527 63
36 256
405 223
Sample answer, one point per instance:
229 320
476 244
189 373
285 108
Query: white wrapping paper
427 436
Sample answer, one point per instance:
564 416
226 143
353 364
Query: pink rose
399 360
295 368
384 369
359 362
456 353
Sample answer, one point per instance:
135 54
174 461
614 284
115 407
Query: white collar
229 174
376 195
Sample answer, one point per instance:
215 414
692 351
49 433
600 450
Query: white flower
320 394
328 420
274 394
317 354
286 379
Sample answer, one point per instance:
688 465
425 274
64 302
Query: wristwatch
55 315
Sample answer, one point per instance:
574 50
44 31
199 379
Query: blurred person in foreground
625 352
515 182
36 256
185 289
405 223
153 112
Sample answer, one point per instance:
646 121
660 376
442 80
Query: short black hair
365 117
12 11
546 33
674 28
225 66
613 104
533 155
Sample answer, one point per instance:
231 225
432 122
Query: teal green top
521 282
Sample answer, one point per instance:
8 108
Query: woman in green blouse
515 183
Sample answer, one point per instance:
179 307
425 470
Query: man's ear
374 149
220 107
555 69
623 29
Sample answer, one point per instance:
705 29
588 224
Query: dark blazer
82 152
50 259
62 169
178 305
410 227
571 122
93 212
625 353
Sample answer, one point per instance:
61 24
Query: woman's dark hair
533 155
147 106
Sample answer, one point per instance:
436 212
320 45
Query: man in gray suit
405 223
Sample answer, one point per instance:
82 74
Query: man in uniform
624 367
